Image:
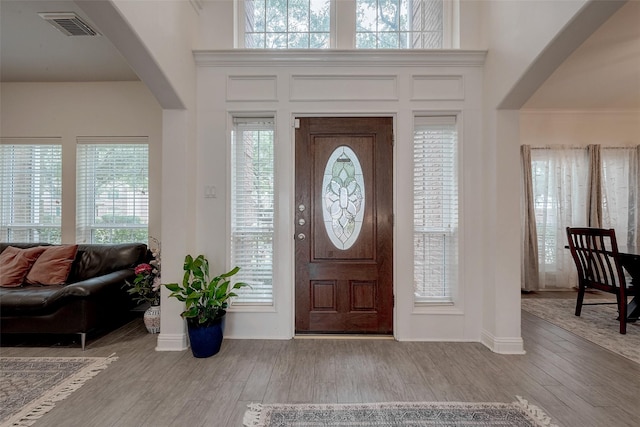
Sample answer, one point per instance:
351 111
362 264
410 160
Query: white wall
69 110
514 32
156 38
400 85
578 128
602 73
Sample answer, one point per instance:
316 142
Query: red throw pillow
53 266
15 264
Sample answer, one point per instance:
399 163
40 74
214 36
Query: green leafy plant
206 299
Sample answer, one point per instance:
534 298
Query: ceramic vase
152 319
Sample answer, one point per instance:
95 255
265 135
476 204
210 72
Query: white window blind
30 192
435 209
252 208
112 182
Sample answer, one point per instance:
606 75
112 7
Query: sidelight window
435 209
252 208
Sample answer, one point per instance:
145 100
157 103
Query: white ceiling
32 50
604 72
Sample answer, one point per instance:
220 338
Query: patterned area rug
31 386
415 414
596 323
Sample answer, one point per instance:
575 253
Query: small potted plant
206 300
145 288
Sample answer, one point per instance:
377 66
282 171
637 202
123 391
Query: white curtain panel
620 193
560 185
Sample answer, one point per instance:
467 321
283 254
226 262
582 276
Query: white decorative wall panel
439 88
252 88
344 88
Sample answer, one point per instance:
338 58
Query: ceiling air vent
69 23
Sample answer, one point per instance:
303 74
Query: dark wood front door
344 225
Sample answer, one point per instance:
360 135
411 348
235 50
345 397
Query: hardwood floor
576 382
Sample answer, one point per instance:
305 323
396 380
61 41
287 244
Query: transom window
399 24
287 24
346 24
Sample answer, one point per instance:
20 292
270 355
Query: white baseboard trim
513 345
172 342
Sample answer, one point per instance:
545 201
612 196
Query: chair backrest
595 252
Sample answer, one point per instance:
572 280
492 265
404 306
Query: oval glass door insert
343 197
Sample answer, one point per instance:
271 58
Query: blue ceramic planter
206 340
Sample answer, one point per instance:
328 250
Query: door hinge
393 300
296 123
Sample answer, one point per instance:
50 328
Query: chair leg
622 312
83 339
580 299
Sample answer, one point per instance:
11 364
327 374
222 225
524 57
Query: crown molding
333 58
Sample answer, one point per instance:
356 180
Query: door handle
301 236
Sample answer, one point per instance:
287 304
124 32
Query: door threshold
342 337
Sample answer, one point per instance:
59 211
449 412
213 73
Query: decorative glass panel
343 197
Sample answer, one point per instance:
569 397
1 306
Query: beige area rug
31 386
397 414
596 323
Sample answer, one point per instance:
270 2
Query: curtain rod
584 147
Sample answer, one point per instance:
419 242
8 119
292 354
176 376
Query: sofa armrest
97 285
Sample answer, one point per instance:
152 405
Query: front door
344 225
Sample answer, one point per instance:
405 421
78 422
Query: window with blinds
435 209
112 190
252 208
30 192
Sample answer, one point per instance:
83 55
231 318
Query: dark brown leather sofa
93 298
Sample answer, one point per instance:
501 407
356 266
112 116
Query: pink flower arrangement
146 285
143 269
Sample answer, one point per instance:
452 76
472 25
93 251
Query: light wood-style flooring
576 382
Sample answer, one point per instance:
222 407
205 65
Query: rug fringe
540 417
63 391
252 415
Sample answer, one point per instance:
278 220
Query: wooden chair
595 252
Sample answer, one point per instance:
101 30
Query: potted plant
206 300
145 288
